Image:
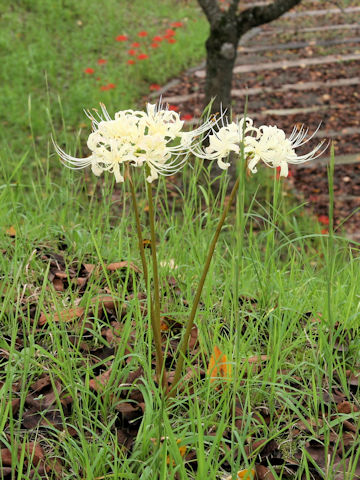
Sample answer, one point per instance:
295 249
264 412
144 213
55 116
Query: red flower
89 71
142 56
131 62
173 108
135 44
109 86
157 38
324 231
102 61
324 219
171 40
121 38
169 33
187 116
143 34
154 45
132 52
154 87
177 24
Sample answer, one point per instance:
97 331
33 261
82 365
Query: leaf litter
48 402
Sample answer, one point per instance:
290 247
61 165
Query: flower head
276 150
267 143
225 140
121 38
154 138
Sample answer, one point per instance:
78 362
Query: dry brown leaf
263 473
64 316
58 284
257 359
34 452
98 383
112 267
5 457
346 407
89 267
11 231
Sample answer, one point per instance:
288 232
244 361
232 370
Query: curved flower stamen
275 150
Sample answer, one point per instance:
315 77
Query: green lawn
46 47
77 377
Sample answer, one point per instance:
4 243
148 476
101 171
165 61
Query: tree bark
221 49
226 29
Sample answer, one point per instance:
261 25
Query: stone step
342 82
284 64
325 28
317 13
347 159
334 134
245 92
281 112
297 45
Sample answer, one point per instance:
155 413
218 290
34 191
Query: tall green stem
154 323
184 343
156 295
138 229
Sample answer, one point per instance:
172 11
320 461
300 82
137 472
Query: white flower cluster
153 138
267 143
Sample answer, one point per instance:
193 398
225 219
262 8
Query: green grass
46 46
285 267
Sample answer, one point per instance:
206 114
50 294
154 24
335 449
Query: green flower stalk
154 139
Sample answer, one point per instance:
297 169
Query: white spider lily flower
275 150
134 137
163 122
225 140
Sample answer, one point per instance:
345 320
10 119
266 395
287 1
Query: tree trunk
221 47
226 29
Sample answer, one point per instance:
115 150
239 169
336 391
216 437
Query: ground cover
78 393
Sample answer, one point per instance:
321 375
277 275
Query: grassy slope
46 46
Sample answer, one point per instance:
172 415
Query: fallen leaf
346 407
263 473
112 267
5 456
219 366
34 452
247 474
11 231
99 383
64 316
